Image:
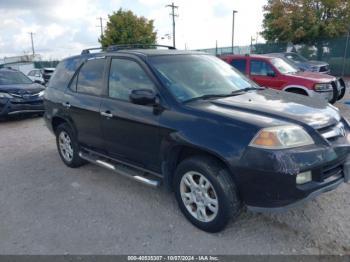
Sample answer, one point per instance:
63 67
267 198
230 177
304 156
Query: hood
313 76
316 63
312 63
22 89
270 107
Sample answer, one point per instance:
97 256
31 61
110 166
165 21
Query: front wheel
206 193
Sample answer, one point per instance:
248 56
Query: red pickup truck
274 72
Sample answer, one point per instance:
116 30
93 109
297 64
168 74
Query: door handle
107 114
66 104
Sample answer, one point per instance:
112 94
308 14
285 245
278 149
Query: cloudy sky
62 28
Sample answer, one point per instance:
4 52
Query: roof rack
87 51
135 46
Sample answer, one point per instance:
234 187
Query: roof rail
87 51
135 46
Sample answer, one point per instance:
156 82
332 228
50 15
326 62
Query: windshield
193 76
13 78
283 66
296 58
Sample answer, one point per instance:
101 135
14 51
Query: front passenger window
260 68
125 76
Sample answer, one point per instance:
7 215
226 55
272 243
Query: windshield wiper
247 89
233 93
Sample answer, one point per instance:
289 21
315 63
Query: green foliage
124 27
305 21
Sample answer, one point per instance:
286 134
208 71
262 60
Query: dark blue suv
191 122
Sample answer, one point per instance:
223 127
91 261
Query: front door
130 131
263 74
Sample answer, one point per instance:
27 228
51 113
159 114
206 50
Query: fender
174 143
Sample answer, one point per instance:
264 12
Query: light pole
345 52
233 28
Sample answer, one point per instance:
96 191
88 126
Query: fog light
304 177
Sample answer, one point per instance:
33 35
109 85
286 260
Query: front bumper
20 106
270 183
326 95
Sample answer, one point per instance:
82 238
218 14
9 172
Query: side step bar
121 169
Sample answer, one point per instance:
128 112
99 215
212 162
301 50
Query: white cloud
64 27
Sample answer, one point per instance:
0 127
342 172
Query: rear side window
260 68
240 65
64 72
91 76
126 75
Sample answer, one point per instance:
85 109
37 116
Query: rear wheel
67 146
206 193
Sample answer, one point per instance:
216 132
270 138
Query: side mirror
37 82
271 74
143 97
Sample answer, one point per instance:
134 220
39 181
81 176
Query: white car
36 76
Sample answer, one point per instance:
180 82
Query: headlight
323 87
41 93
281 137
314 69
5 95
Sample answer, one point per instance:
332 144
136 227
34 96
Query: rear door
130 131
264 74
83 101
240 64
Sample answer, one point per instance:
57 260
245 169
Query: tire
221 189
71 158
335 95
342 92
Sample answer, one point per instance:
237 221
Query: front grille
330 171
24 102
332 132
25 96
324 68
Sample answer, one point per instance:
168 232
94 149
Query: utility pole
345 52
31 38
101 26
173 7
233 27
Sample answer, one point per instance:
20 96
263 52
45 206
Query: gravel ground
47 208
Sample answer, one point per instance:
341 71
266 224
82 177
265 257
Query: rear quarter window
64 72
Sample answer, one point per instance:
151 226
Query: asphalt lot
47 208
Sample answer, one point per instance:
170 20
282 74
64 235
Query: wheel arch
297 87
59 120
178 153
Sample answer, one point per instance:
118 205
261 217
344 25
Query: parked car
276 73
36 75
304 64
47 73
189 121
19 94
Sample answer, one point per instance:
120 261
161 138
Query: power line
173 7
31 38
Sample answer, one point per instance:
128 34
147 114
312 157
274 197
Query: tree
305 21
124 27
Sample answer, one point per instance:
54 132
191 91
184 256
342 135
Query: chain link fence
335 51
